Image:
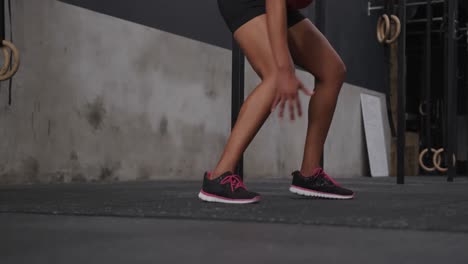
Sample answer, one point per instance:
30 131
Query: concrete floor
424 221
80 239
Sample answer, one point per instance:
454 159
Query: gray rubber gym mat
420 204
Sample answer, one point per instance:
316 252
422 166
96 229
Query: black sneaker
319 185
227 188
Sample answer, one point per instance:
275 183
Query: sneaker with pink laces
318 185
227 188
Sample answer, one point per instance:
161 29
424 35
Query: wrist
287 68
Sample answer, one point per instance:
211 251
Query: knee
341 71
335 73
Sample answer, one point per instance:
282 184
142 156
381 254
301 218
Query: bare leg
312 51
253 39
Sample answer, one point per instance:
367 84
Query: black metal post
466 106
2 21
451 88
401 95
2 24
320 17
389 9
320 10
428 69
238 63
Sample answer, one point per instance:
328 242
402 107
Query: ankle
216 174
218 171
213 175
309 172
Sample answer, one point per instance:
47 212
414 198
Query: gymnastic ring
436 160
6 63
421 161
397 22
16 61
383 28
421 111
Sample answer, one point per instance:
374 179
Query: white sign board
372 114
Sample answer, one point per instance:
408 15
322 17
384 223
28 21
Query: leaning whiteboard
374 129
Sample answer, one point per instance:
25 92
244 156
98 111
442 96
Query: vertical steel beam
238 66
401 140
2 21
428 79
451 87
320 17
466 100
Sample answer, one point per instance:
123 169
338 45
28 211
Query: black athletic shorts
238 12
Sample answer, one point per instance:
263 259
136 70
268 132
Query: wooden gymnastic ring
383 28
6 63
16 61
421 111
421 161
397 22
437 160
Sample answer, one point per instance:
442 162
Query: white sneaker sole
218 199
312 193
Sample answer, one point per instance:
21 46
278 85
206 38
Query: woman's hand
287 86
287 83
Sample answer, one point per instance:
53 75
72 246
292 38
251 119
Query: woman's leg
312 51
253 40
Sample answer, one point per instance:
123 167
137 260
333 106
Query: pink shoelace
321 172
235 181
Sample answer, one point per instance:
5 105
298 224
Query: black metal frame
3 37
428 79
466 109
320 14
389 8
2 21
238 68
401 139
451 88
320 22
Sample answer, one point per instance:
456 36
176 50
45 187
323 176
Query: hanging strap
10 82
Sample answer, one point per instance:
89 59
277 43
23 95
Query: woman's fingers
275 103
291 107
290 100
291 103
299 107
281 105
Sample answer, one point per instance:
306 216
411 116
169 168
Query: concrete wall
352 32
345 23
102 99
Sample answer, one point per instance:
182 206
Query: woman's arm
287 83
277 31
